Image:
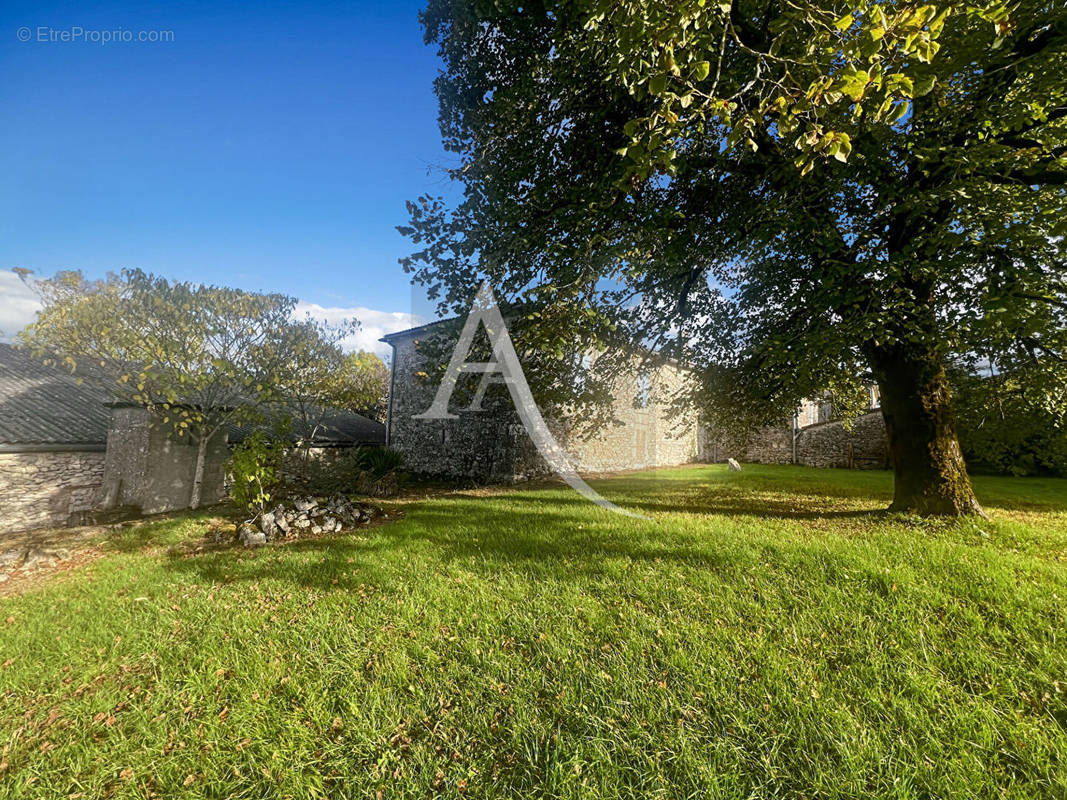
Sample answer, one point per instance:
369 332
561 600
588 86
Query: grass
766 634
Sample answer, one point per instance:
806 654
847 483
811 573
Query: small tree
317 376
256 465
199 358
366 380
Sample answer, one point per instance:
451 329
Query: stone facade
651 433
829 444
491 444
45 489
147 469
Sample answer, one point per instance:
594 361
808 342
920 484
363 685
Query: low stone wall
773 445
829 444
41 490
770 445
825 444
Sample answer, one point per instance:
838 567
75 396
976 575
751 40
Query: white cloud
373 324
18 305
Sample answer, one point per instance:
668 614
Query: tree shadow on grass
550 536
713 501
545 530
343 562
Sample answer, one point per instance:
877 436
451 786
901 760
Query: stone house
67 450
491 445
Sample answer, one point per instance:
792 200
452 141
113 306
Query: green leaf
898 111
701 70
845 22
853 83
924 85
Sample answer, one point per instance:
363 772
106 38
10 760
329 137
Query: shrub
1003 431
255 467
378 461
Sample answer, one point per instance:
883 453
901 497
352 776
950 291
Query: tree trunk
198 474
930 477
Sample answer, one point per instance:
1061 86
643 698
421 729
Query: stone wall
148 469
484 445
770 445
491 444
829 444
48 489
824 444
649 436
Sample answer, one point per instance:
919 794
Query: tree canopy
786 197
199 357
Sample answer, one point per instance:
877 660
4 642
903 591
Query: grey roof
389 338
336 428
339 427
42 405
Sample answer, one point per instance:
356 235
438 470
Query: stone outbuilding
53 439
67 450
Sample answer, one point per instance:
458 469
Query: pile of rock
306 516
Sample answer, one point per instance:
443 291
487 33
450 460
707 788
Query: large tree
788 197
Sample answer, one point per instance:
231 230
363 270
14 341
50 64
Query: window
644 390
826 411
584 377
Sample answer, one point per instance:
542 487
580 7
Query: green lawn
767 634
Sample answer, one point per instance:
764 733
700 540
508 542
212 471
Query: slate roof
43 406
336 428
339 427
407 333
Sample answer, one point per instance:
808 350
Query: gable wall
148 469
491 445
653 436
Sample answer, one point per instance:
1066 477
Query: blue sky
269 145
